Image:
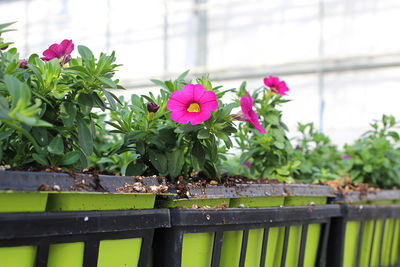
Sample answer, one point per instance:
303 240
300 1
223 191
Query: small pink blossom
346 156
23 63
193 104
247 164
61 51
276 85
247 108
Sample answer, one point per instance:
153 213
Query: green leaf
85 53
187 128
40 135
158 82
135 169
367 168
279 145
84 137
99 101
203 134
175 162
40 159
140 147
85 101
183 75
107 81
5 134
272 119
110 99
198 156
68 113
56 146
159 161
70 158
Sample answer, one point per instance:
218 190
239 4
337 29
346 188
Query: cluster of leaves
159 146
270 153
375 157
47 110
320 159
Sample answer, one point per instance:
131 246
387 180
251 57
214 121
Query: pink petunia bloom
346 156
193 104
247 108
247 164
60 51
276 85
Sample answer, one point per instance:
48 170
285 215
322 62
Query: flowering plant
266 149
176 133
46 115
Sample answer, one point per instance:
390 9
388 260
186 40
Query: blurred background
340 58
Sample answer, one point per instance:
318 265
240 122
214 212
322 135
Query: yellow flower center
194 107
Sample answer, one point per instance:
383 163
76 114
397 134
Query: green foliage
375 157
47 109
164 147
320 159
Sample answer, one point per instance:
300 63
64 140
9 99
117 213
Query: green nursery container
232 240
10 201
121 252
373 233
196 247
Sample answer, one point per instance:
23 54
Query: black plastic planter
97 229
250 196
170 244
365 238
19 193
365 235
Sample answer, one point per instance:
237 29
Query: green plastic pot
121 252
232 240
23 256
371 241
313 233
196 247
394 256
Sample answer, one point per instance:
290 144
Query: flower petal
199 117
49 54
180 116
177 101
194 92
66 47
282 88
208 102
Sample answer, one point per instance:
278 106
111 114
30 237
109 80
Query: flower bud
247 164
23 63
239 117
152 107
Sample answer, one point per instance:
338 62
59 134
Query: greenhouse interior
199 133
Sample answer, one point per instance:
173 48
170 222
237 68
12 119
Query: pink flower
276 85
346 156
247 164
247 108
193 104
23 63
60 51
